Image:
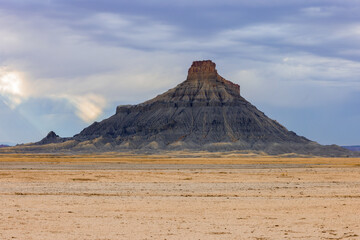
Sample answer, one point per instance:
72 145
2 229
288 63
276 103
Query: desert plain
178 196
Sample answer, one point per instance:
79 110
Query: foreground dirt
315 202
182 158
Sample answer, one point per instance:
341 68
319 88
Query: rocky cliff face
203 86
205 109
205 112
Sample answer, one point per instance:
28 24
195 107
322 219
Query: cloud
316 12
299 80
58 62
108 54
89 107
125 30
11 87
293 36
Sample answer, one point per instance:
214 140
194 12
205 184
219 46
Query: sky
65 64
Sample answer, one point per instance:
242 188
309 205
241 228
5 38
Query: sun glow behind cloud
11 87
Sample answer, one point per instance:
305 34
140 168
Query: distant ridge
352 148
204 113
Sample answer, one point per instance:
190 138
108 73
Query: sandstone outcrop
51 137
205 112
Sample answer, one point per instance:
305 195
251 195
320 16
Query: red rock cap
206 66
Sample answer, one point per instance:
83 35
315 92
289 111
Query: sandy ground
109 200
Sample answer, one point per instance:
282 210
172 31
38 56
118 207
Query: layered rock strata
205 112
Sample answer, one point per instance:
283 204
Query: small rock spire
51 134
